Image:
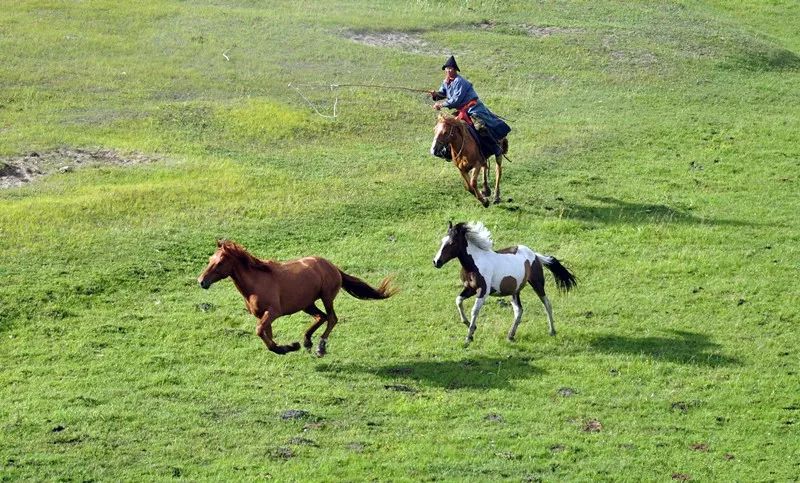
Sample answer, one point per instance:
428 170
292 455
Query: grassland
655 150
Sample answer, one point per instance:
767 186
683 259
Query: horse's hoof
485 203
510 338
497 201
308 344
320 353
294 346
552 333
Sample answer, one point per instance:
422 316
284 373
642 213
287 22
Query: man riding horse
457 93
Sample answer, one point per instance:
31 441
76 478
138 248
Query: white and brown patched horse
452 140
499 273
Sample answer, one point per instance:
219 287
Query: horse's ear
449 225
219 242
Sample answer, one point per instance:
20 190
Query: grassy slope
655 150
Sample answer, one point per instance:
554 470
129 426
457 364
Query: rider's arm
440 94
457 94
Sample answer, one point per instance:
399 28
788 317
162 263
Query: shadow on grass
468 373
683 348
765 59
618 211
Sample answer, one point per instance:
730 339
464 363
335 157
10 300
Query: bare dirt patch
303 442
281 453
19 170
356 446
548 30
290 414
494 417
407 42
400 388
592 426
413 42
636 59
616 46
567 392
540 31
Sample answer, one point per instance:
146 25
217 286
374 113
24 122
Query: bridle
450 136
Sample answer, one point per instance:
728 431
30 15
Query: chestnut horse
485 271
273 289
452 133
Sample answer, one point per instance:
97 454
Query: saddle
488 145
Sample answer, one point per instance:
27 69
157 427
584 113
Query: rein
450 137
463 140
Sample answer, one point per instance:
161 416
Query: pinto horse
500 273
273 289
452 133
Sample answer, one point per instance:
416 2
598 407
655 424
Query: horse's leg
498 172
487 191
474 185
475 310
516 303
465 178
264 330
549 309
332 320
465 294
536 279
470 186
319 319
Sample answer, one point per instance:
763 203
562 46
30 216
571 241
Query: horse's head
220 264
443 133
453 244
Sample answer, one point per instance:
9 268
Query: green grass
655 150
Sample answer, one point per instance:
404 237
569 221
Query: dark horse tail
361 290
565 280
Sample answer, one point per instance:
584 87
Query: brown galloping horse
272 289
452 133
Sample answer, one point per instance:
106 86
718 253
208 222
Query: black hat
451 62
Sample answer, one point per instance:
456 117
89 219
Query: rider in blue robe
457 93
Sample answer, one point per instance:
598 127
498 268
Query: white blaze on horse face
437 260
213 261
437 133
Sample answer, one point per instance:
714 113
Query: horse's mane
452 121
457 123
237 251
478 235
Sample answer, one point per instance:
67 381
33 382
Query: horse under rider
457 93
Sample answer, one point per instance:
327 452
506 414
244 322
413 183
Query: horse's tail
361 290
565 279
